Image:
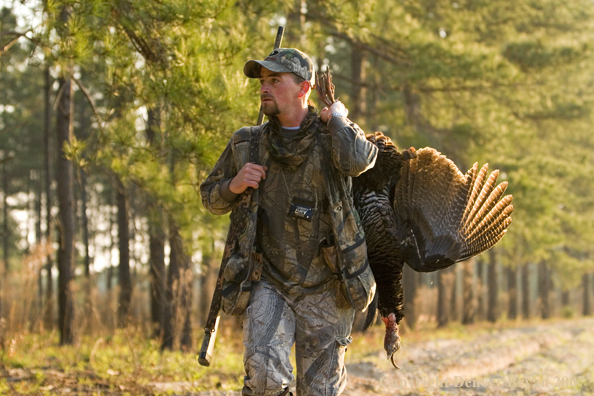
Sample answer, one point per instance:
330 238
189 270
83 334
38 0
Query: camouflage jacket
347 154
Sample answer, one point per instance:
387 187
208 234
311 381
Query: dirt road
552 359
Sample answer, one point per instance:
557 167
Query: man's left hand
337 107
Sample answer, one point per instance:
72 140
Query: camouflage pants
320 330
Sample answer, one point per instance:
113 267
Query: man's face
278 92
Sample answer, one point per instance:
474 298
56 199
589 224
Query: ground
514 358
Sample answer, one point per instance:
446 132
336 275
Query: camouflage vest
346 254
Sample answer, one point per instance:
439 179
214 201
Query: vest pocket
331 259
356 284
357 277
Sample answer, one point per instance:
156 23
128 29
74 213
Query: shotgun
212 322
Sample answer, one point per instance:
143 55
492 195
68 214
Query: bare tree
66 217
410 281
5 228
586 285
492 307
469 302
156 241
512 291
454 313
124 276
544 290
48 316
358 91
526 291
480 289
442 301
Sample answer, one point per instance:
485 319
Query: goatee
270 109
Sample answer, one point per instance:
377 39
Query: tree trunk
66 215
442 299
172 292
156 239
179 295
112 221
374 77
185 288
587 305
295 32
544 287
525 291
565 298
124 277
5 235
87 258
410 280
85 223
208 282
358 94
48 316
480 289
512 291
454 314
469 303
39 234
5 228
157 268
492 313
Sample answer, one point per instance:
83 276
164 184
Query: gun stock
210 335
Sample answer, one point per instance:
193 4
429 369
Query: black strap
355 274
256 131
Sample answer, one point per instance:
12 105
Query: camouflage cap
283 60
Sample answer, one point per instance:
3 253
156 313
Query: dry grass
105 360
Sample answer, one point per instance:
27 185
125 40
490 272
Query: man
314 269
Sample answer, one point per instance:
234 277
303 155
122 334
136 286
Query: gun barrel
277 43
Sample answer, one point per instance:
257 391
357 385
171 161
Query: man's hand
337 107
249 176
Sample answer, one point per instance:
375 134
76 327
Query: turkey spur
417 208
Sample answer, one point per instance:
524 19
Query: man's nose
265 88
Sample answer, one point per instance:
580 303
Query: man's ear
305 87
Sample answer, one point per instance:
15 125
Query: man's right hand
249 176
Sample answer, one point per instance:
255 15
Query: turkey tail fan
444 216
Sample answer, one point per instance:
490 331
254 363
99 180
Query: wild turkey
417 208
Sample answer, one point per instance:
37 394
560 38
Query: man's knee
268 371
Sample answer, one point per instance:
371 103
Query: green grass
125 360
128 362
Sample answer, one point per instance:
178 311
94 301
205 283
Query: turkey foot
392 339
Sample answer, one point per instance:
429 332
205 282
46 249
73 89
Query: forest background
113 112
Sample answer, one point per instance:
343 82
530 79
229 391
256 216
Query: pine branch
17 35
